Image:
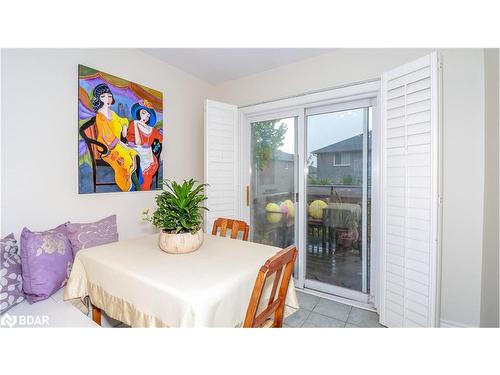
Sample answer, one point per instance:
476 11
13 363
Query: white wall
463 148
39 136
340 67
463 185
489 295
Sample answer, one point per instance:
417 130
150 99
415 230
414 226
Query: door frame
296 106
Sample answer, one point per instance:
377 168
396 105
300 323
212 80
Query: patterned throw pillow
11 282
84 235
46 259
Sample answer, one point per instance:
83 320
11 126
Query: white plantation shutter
410 183
221 159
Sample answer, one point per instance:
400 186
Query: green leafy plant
347 180
344 218
268 137
179 207
319 181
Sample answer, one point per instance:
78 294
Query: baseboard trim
451 324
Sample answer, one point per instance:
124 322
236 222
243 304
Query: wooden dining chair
235 226
281 266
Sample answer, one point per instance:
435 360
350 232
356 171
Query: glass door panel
337 197
273 181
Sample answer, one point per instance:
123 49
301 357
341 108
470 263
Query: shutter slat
395 249
418 96
414 76
422 290
418 266
415 320
398 299
396 319
397 289
423 127
421 256
398 260
417 298
416 86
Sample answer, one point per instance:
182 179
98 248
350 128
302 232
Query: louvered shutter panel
221 160
410 170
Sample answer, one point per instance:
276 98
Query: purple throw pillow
84 235
46 259
11 282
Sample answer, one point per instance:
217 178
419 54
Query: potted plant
346 229
179 216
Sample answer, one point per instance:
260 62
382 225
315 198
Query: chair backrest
91 133
235 226
281 266
88 131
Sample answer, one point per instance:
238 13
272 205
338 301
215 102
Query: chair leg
315 240
323 240
312 240
335 241
94 176
330 240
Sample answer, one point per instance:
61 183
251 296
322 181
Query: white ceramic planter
181 243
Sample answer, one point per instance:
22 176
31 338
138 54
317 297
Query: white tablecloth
137 283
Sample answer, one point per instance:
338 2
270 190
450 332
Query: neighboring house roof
283 156
350 144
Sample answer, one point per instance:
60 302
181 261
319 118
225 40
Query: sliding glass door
338 144
309 184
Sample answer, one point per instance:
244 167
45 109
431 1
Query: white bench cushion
52 312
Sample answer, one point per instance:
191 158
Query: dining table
137 283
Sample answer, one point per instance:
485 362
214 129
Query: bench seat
52 312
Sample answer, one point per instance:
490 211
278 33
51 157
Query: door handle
248 195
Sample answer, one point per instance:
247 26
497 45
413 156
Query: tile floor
314 312
317 312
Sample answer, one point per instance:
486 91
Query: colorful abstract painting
120 134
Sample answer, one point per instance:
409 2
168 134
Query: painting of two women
120 134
